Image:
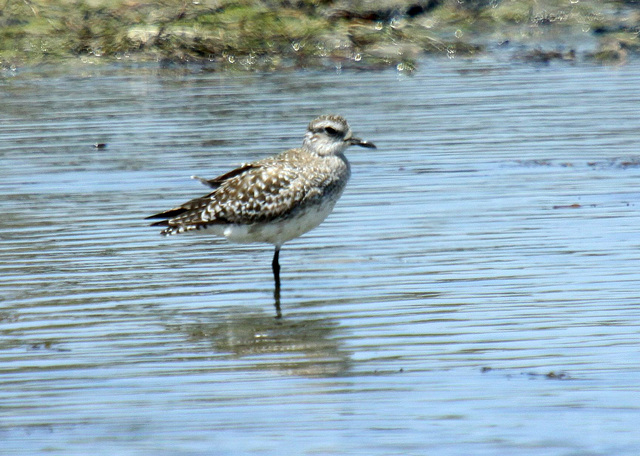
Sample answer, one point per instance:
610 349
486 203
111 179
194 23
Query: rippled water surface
476 290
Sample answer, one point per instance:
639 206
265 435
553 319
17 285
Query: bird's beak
362 143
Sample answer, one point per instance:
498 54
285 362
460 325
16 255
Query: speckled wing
271 189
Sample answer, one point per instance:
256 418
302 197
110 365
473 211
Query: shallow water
474 292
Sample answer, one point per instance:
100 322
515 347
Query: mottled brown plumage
261 192
275 199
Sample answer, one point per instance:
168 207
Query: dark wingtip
166 214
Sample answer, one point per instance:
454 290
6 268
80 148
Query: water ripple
475 290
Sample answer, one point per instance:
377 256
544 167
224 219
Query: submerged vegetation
277 34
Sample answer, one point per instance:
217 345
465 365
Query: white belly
276 233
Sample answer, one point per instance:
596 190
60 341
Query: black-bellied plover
275 199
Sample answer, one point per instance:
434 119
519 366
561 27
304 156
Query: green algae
273 35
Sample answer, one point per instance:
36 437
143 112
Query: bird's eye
331 131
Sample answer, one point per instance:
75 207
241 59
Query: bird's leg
275 266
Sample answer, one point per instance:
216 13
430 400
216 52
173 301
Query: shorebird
276 199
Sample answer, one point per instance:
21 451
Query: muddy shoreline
280 35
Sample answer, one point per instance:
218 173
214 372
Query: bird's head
331 135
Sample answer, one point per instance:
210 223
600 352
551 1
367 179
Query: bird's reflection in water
276 299
305 347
